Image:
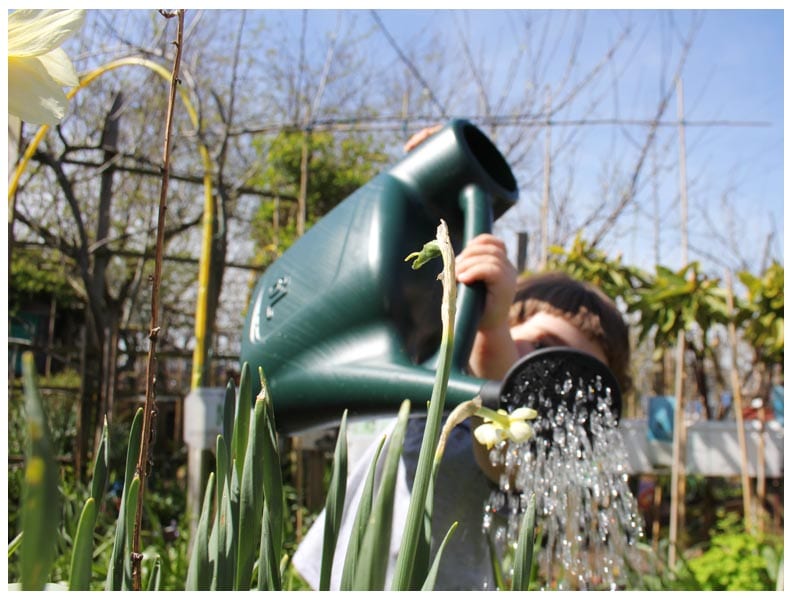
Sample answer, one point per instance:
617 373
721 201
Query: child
543 310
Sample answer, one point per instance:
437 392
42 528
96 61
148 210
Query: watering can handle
476 207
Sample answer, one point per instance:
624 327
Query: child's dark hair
583 305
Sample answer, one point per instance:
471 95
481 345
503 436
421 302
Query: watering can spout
340 320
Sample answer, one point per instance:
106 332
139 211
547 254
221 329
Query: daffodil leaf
199 571
40 499
360 522
430 580
496 566
251 500
82 554
99 479
118 575
335 500
373 555
524 550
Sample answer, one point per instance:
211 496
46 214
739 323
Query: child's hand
485 259
419 137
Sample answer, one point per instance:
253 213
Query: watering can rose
38 69
500 425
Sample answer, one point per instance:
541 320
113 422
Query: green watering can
341 321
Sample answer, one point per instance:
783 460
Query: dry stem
153 333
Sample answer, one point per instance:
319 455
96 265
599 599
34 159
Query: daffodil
38 69
500 425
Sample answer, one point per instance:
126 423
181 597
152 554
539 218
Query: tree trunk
103 314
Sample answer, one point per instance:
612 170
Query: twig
153 334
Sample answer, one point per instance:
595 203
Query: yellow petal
520 431
523 413
487 434
36 32
33 95
59 67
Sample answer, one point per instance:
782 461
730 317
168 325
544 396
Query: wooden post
677 514
298 474
759 513
53 313
678 486
544 209
301 217
521 256
748 517
655 513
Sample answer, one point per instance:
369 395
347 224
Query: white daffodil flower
38 69
501 425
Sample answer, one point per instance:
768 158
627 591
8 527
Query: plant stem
153 333
493 415
404 566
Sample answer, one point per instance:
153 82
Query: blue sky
734 74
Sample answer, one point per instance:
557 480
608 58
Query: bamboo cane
759 513
678 484
748 517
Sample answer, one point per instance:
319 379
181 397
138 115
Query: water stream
587 518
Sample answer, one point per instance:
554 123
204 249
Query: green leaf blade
40 513
336 498
82 553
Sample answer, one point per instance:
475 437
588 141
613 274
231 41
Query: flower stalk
426 467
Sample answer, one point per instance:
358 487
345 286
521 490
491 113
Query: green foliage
668 302
247 524
761 313
737 560
665 303
731 560
587 263
337 166
60 413
676 300
39 273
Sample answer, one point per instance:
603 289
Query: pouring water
587 518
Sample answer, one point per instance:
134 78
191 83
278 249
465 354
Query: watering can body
341 321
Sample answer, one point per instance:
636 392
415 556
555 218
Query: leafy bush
736 559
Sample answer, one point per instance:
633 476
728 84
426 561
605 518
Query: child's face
543 330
